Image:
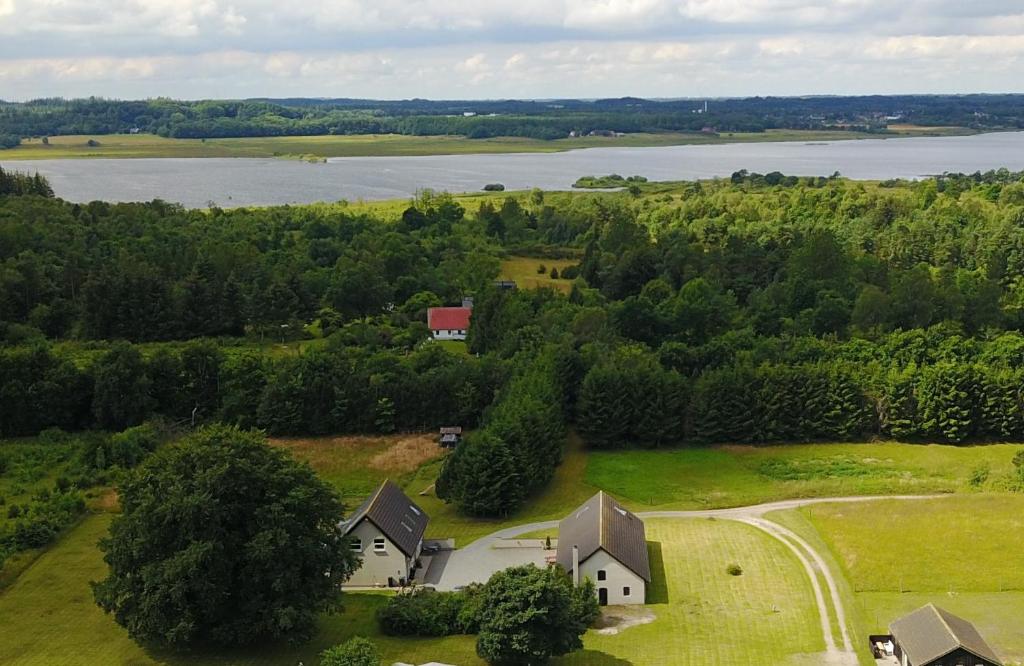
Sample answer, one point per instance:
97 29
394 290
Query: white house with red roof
450 323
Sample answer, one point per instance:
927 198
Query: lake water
246 181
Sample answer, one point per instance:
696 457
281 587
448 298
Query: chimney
576 566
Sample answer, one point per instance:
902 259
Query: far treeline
542 119
760 308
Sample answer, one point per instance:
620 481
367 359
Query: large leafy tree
528 615
223 540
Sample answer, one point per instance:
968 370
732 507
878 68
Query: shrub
425 612
355 652
554 273
542 269
979 476
734 570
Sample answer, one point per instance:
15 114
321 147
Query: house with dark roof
449 323
931 636
386 530
604 542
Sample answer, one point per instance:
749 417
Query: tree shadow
591 658
657 590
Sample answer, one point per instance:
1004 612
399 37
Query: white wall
446 334
617 577
377 566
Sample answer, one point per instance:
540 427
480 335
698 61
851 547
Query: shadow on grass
591 658
657 590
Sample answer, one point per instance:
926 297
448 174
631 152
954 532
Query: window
379 545
356 545
625 591
602 574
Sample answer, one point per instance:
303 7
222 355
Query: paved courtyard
452 569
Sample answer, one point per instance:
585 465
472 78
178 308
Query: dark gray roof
394 514
602 523
930 633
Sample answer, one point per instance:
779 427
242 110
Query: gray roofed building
395 515
603 541
931 636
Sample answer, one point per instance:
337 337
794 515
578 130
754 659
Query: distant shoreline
320 147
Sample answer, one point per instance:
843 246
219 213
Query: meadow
524 270
960 552
390 145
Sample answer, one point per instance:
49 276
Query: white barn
606 543
387 532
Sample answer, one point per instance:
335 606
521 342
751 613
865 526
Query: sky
490 49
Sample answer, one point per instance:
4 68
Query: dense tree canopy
528 615
481 118
223 540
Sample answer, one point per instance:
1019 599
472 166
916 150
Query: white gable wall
378 566
449 334
617 577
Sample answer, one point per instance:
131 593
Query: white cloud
505 48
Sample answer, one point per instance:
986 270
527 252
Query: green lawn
961 552
311 147
706 616
741 475
524 271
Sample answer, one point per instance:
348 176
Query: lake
244 181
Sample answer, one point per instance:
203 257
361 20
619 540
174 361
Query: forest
759 308
541 119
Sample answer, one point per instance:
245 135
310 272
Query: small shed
931 636
450 436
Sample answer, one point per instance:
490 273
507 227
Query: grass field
961 553
706 616
524 271
311 147
703 614
742 475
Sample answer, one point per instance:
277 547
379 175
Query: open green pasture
524 271
961 553
741 475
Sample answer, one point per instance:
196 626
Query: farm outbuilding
931 636
604 542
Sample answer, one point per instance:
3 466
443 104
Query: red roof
448 319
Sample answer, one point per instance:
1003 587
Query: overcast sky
507 48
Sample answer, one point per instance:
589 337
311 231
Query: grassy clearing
356 465
365 145
742 475
967 543
962 553
524 271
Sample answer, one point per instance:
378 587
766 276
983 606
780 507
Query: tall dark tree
225 540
